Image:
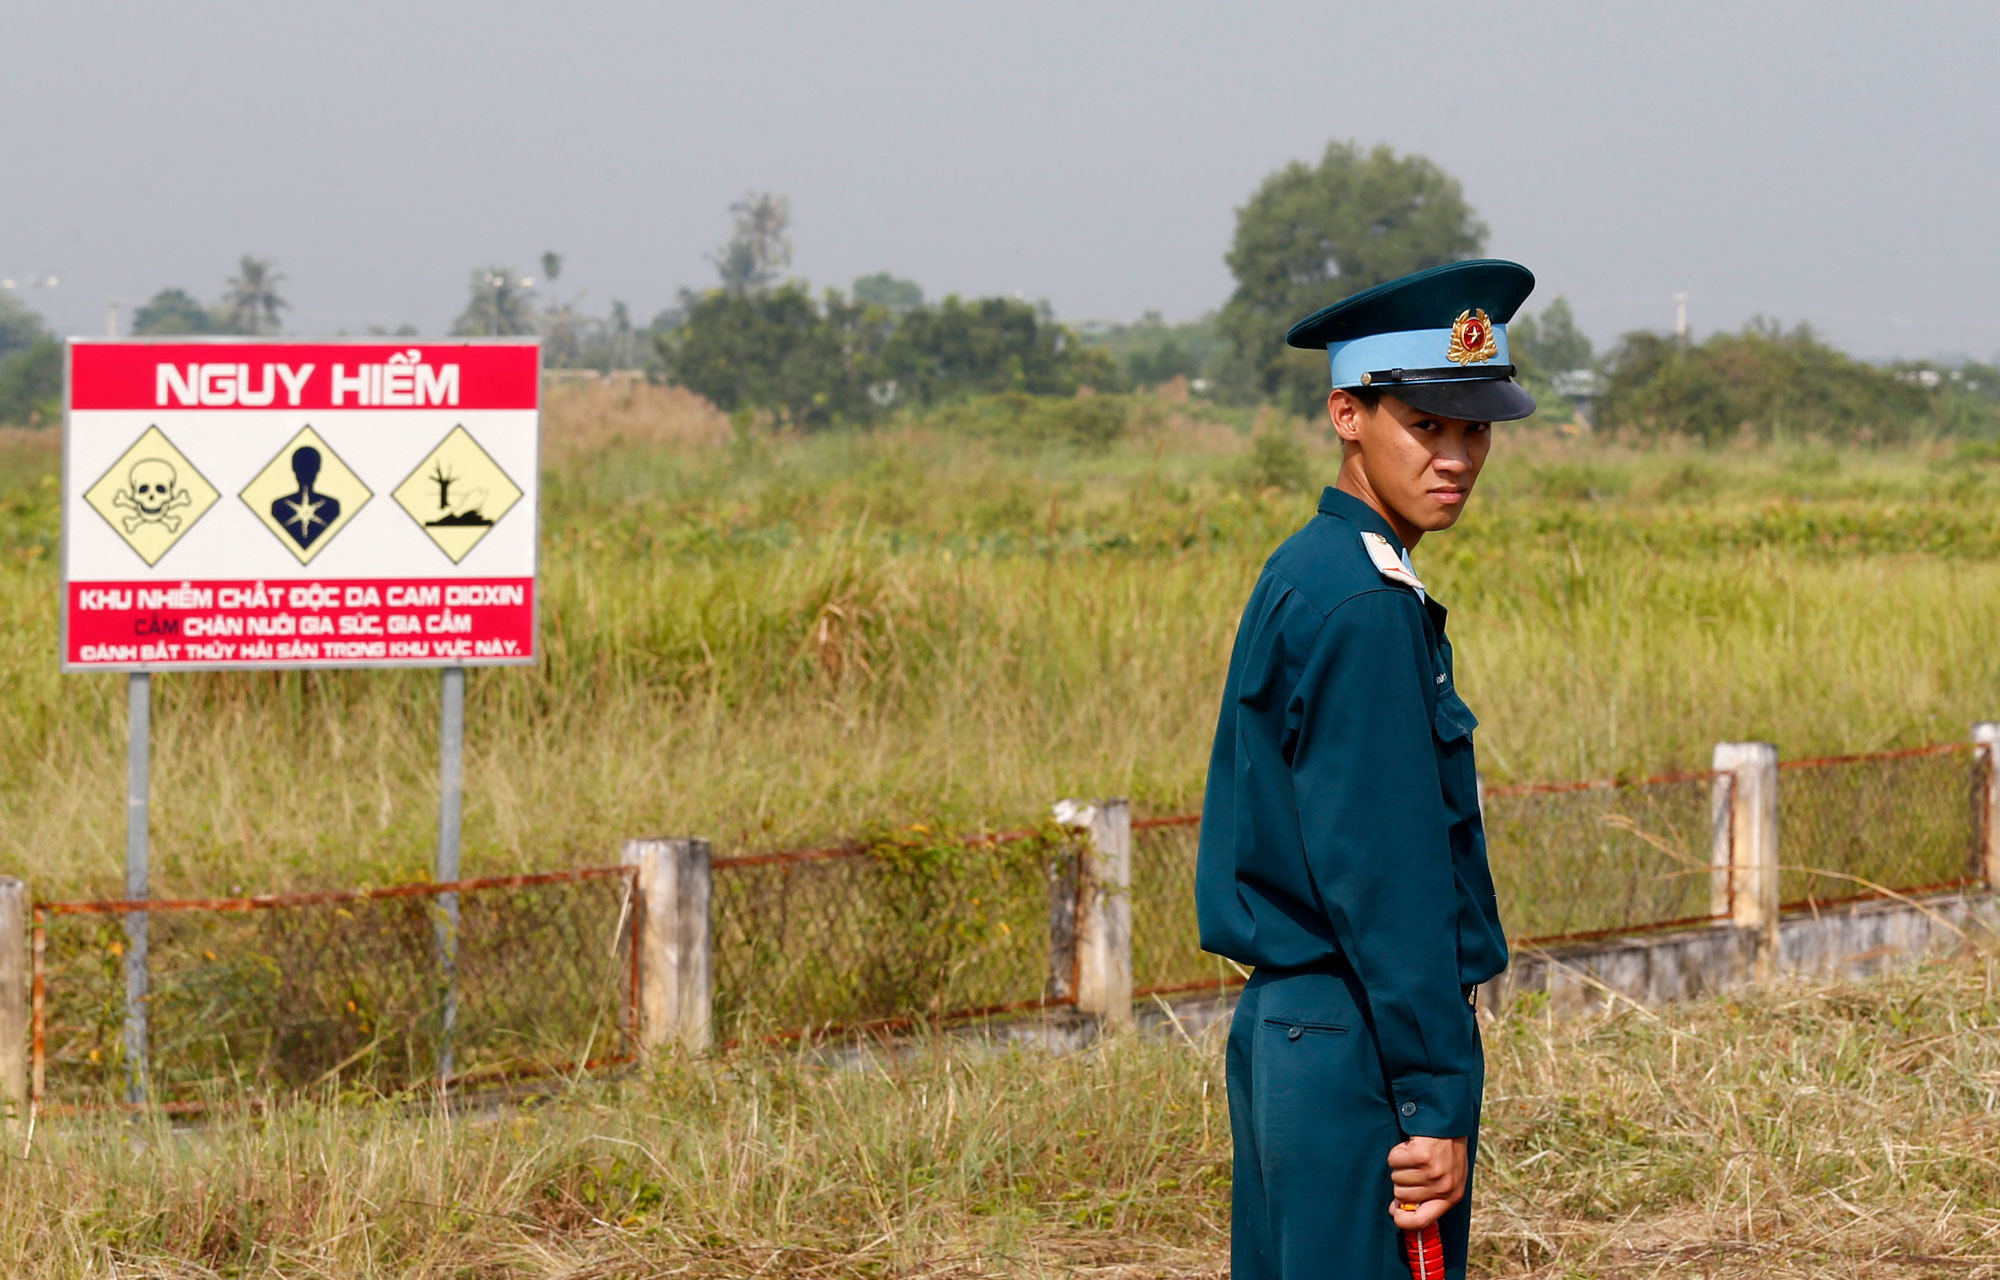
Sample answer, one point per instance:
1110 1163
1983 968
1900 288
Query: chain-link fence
341 992
1587 859
1906 821
903 931
345 992
1571 861
1166 946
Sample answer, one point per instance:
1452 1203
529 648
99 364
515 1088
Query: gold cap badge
1472 338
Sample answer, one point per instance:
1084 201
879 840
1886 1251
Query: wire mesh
1166 946
1851 826
1577 860
339 991
843 938
343 991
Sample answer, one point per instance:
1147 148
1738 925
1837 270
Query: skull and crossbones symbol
153 497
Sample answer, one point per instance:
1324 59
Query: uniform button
1408 1109
1293 1033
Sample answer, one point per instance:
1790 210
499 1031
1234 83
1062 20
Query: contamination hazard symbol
151 496
305 495
457 493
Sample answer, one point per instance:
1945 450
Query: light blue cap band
1409 349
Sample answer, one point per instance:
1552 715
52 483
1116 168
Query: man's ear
1345 413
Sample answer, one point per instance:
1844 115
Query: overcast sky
1837 163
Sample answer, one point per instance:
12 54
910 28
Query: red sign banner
330 622
293 375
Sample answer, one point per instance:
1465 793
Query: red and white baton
1423 1249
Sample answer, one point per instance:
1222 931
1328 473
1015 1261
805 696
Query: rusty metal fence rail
337 992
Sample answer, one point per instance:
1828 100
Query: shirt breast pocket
1453 719
1452 723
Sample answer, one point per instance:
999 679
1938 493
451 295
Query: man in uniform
1341 848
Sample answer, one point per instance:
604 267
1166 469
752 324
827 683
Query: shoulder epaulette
1387 562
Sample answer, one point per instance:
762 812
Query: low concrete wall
1854 940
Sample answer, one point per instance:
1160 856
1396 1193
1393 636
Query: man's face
1420 467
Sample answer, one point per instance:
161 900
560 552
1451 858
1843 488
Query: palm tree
501 303
762 218
759 249
252 304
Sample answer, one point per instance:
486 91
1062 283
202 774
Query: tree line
1308 235
758 339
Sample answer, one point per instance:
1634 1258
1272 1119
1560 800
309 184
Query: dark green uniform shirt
1341 823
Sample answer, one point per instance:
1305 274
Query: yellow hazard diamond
305 495
457 493
151 496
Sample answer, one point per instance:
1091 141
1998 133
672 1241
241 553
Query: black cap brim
1482 400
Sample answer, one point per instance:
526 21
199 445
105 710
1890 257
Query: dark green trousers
1313 1125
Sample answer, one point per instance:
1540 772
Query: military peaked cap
1435 339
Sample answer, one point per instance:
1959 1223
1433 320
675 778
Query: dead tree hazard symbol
457 493
467 513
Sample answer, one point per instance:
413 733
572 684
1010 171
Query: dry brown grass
1831 1130
586 417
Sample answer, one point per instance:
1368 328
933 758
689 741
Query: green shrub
1764 381
1018 420
31 385
1277 460
1581 481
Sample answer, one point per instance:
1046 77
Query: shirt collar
1345 506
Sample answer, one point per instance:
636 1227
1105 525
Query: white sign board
259 503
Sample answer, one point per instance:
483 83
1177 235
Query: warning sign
259 503
151 495
457 493
305 495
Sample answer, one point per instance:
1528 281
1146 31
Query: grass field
1836 1131
779 640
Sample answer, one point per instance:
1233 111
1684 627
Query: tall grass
1839 1130
774 640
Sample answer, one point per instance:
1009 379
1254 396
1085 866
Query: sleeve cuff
1436 1106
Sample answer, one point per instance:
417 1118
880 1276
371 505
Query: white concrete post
1753 841
1986 798
1722 840
676 946
1103 928
15 1010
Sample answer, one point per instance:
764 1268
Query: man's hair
1369 398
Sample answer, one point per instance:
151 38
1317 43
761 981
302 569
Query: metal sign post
451 795
138 771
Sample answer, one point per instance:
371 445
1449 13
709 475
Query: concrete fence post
1102 925
1986 800
676 945
15 1010
1752 831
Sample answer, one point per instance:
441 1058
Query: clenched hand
1429 1177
